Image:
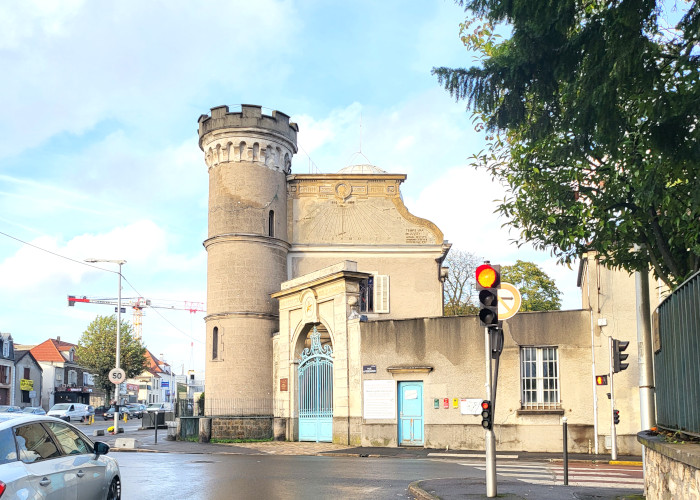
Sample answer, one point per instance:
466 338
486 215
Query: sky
99 155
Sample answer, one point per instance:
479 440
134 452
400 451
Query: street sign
509 301
117 375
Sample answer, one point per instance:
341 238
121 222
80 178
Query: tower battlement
250 117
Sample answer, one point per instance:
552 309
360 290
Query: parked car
69 411
160 407
100 410
36 451
136 409
10 409
123 410
34 410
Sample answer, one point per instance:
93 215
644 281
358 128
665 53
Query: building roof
21 353
51 350
153 363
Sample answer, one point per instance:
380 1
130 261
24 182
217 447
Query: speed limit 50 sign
117 375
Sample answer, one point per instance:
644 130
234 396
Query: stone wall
241 428
672 470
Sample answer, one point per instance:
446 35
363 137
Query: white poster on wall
379 399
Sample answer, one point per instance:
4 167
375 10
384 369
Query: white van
69 411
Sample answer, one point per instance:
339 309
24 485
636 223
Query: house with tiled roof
155 383
64 380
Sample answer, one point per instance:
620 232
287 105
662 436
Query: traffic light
618 347
616 416
486 415
488 281
601 380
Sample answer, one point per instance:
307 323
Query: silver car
44 457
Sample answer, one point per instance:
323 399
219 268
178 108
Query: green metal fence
677 359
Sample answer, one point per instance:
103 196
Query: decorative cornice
409 369
241 314
253 238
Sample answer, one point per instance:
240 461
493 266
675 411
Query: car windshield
154 405
63 406
29 409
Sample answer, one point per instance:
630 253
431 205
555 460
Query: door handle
45 481
80 473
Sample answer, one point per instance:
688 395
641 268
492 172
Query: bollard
155 414
566 453
126 417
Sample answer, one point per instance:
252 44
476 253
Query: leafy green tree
591 114
459 286
96 350
538 291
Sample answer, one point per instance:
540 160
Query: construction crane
138 304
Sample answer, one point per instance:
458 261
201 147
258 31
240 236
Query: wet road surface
218 477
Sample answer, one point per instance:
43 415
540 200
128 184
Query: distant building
156 384
7 372
63 380
29 379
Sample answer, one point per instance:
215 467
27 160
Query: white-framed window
59 376
72 377
374 294
539 378
6 349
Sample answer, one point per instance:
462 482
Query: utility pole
491 485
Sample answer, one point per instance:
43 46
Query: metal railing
677 359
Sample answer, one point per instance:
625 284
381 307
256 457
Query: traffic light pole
490 446
613 433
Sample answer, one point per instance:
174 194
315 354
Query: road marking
470 455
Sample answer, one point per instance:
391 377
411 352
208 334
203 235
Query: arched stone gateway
315 374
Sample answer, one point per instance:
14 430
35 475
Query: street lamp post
119 324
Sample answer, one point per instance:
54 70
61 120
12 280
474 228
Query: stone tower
248 155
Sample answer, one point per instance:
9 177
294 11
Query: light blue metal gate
316 391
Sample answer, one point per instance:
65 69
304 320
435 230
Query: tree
459 286
591 113
96 350
538 291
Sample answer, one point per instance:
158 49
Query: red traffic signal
601 380
488 276
616 417
486 415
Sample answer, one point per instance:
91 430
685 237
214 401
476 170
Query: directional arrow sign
508 301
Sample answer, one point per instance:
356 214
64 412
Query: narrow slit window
215 343
271 224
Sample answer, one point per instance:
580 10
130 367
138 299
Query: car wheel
115 490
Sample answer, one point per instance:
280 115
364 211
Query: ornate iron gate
316 391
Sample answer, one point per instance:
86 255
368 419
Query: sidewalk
432 489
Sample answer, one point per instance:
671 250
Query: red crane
138 304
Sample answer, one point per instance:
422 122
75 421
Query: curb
625 462
419 493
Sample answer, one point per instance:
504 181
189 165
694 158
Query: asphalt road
214 477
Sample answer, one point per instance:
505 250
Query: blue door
316 391
410 413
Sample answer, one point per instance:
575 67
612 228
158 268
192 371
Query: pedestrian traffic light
601 380
488 281
486 415
618 348
616 416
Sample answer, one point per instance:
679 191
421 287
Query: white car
43 457
70 411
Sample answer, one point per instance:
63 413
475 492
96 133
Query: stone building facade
325 314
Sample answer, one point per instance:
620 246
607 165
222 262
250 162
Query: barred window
539 375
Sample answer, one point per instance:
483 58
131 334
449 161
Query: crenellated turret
248 135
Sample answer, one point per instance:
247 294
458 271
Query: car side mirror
101 448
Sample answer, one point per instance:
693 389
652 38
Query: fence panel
677 359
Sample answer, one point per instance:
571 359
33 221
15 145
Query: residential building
7 372
64 380
29 379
